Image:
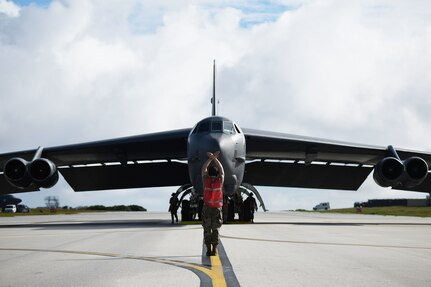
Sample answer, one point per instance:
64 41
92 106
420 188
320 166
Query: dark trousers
174 214
211 222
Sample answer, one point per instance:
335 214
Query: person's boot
214 250
208 250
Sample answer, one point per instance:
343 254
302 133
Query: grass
388 210
46 211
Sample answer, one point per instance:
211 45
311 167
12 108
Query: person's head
173 194
212 171
251 194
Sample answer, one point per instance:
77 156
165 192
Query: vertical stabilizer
213 100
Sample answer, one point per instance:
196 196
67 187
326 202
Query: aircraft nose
211 143
217 142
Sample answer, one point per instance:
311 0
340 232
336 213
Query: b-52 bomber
250 158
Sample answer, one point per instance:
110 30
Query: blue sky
255 11
42 3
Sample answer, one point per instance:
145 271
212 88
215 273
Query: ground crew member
251 203
212 178
173 207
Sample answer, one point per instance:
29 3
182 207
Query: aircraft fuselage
217 134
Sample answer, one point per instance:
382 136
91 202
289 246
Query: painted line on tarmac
213 263
221 267
228 272
326 243
217 270
209 276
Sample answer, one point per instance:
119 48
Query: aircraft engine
388 172
416 170
43 172
40 172
15 171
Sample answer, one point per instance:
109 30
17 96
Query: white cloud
8 8
77 71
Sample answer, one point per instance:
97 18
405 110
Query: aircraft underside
191 203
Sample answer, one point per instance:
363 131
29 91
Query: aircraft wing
131 162
277 159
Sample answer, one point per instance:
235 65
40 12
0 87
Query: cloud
8 8
76 71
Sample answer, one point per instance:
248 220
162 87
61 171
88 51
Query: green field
67 210
389 210
46 211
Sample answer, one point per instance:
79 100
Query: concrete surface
280 249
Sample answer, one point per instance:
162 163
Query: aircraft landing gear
241 207
191 209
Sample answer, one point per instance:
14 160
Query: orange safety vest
213 192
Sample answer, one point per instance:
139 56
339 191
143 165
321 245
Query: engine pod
43 172
416 170
16 172
388 172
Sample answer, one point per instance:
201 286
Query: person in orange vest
212 178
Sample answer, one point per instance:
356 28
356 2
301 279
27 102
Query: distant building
413 202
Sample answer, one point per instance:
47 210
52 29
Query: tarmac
279 249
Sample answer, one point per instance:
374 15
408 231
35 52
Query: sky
83 70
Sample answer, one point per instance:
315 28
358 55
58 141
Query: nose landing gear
191 209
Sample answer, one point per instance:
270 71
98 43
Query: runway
279 249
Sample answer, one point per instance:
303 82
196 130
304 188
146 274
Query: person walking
252 206
212 178
173 207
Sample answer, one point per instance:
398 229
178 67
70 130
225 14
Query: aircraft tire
185 210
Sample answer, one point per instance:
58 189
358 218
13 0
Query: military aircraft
250 158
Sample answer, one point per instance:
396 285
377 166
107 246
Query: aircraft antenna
213 100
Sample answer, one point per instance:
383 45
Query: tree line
132 207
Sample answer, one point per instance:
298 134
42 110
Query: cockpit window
216 126
204 127
228 127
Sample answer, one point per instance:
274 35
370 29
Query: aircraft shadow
155 223
79 225
342 223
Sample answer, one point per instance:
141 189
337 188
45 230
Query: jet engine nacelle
416 170
41 172
15 171
390 171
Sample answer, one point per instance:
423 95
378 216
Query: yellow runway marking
217 268
215 273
